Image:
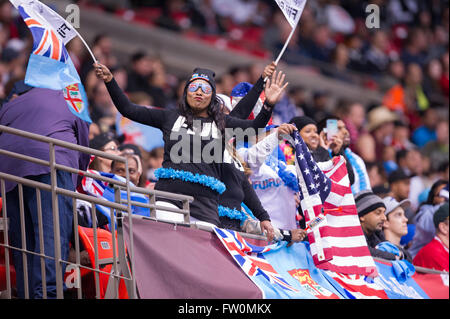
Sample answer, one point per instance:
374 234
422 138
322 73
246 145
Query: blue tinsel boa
186 176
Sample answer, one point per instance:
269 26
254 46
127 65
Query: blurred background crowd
406 59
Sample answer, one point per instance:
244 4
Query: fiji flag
49 65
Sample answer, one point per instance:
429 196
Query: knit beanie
367 202
203 74
301 121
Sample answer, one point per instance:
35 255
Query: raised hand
334 144
269 69
275 88
285 128
102 72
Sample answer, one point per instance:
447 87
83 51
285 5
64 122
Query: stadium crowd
397 151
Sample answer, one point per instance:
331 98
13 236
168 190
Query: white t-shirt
277 198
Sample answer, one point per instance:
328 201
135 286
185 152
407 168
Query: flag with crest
49 65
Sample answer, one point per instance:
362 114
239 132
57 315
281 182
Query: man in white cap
396 224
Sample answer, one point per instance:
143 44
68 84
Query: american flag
338 244
250 258
358 286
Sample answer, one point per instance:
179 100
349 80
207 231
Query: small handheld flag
292 10
50 65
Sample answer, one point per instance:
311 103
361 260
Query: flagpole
85 44
285 46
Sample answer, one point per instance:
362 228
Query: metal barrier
122 261
123 257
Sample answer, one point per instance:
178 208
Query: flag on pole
50 65
292 10
337 244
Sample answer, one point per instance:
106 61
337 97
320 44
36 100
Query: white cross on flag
337 244
292 10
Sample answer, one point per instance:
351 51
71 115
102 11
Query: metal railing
123 257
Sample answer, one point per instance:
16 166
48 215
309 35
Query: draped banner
179 262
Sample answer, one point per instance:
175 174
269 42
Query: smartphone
332 128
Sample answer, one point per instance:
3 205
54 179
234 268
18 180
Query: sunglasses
206 88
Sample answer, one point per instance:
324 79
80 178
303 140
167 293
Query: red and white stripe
357 286
341 238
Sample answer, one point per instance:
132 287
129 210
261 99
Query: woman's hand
102 72
334 144
267 226
269 69
275 88
285 128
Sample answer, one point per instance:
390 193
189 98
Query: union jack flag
338 244
50 65
45 40
250 258
101 189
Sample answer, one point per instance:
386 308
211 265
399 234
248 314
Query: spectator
43 112
435 254
140 76
400 138
381 127
321 44
371 210
377 59
307 128
415 97
399 183
395 226
155 160
444 81
354 116
105 142
134 168
190 173
413 164
102 107
438 149
427 131
355 165
414 51
272 179
425 230
319 108
376 173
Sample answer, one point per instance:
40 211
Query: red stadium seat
105 254
12 271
